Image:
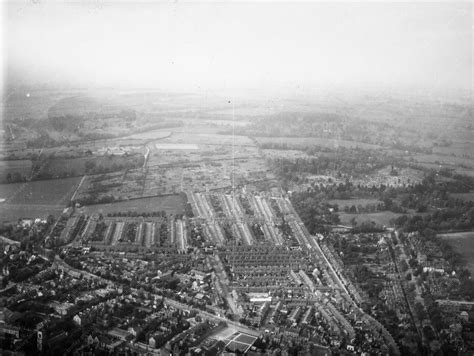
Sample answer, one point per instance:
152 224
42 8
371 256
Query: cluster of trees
130 213
315 214
449 219
99 231
130 232
350 162
361 209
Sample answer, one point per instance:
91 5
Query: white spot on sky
27 95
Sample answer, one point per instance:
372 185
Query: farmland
463 244
303 142
469 196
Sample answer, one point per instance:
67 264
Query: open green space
463 244
342 203
382 218
41 192
172 204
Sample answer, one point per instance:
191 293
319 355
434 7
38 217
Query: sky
190 46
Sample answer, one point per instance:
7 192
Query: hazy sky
187 46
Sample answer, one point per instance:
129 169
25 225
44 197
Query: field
288 154
56 192
462 243
206 138
78 166
172 204
13 212
150 135
382 218
342 203
463 196
176 146
301 142
35 199
204 153
21 167
445 160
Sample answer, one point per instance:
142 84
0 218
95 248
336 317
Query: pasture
463 244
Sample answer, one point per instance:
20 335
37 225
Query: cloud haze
187 46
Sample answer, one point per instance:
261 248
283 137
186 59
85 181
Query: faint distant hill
72 112
83 105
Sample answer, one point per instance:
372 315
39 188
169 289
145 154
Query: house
120 334
5 315
134 330
77 319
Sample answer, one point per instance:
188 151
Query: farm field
78 166
43 192
207 139
14 167
288 154
176 146
150 135
463 196
459 149
13 212
315 141
230 122
172 204
444 160
204 153
462 243
381 218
